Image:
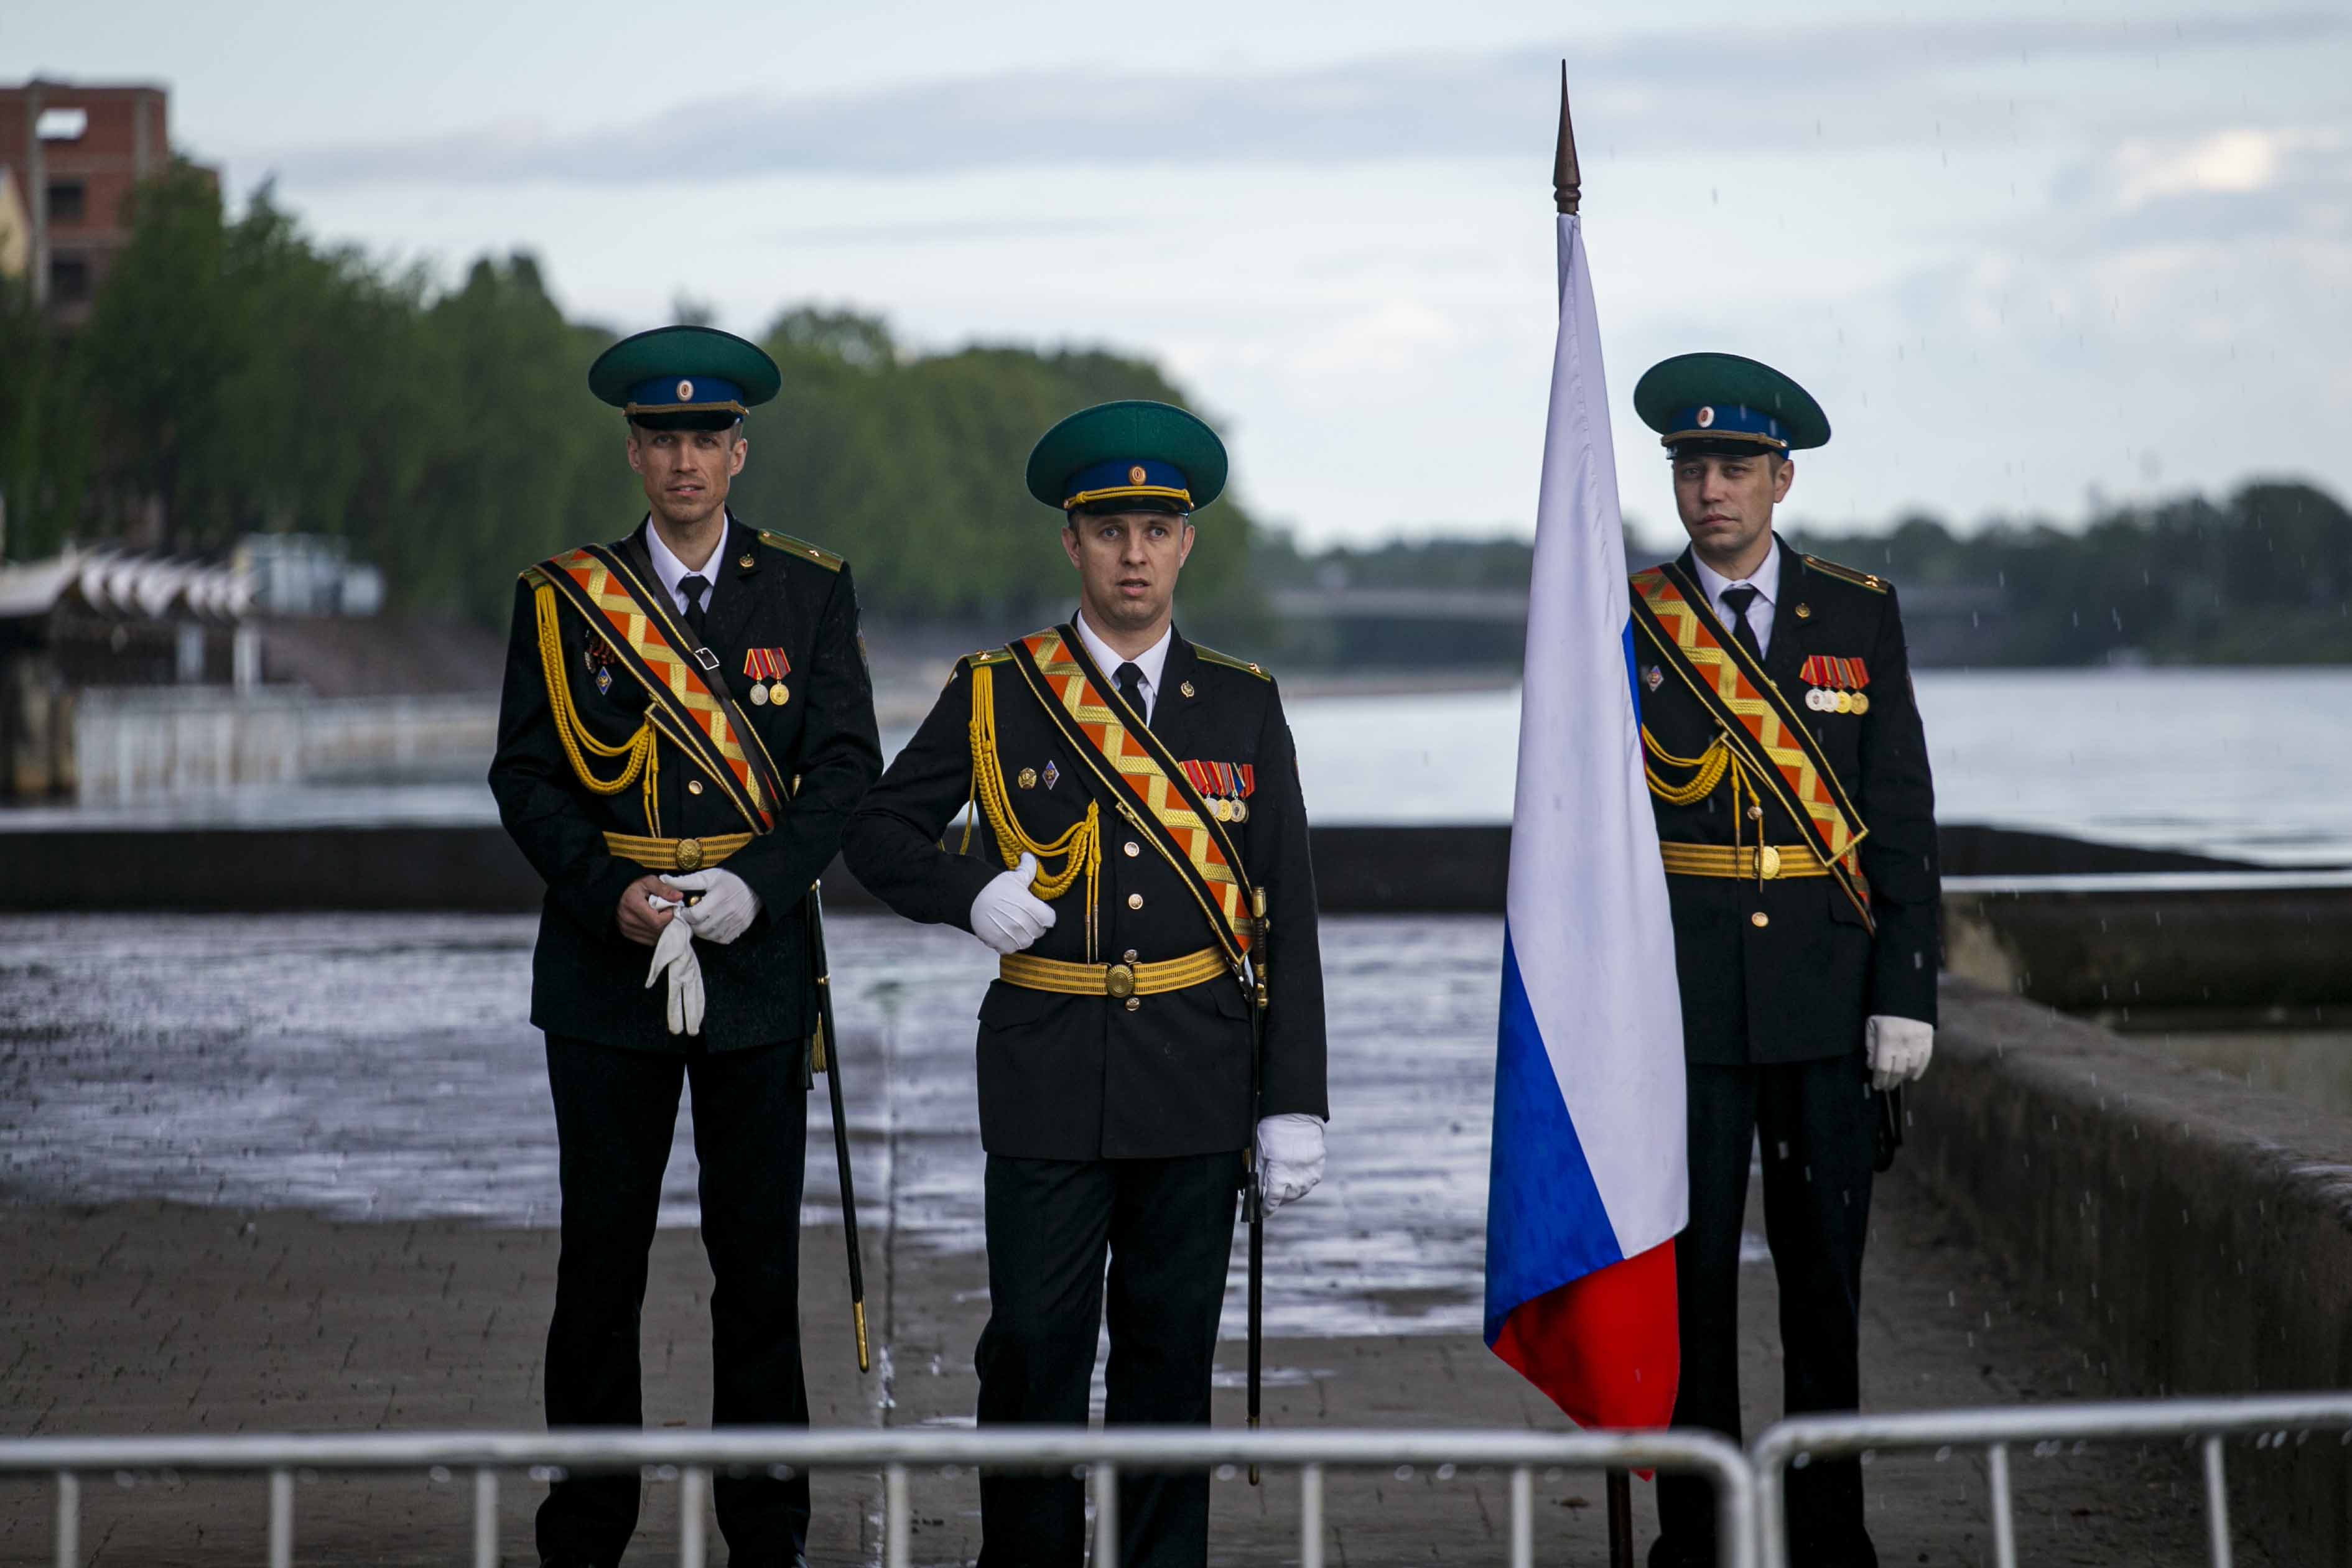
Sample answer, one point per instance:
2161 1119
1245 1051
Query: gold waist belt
676 854
1744 862
1110 980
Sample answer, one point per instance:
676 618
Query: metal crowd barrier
1803 1439
693 1457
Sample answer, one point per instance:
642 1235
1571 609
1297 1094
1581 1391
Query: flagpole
1567 193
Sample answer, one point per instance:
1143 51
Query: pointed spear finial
1567 181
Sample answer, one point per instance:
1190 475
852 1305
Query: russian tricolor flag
1588 1185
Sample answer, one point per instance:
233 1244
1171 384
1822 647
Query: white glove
1007 916
673 953
728 905
1289 1158
1898 1050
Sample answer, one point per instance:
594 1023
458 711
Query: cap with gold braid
1724 402
1133 456
685 378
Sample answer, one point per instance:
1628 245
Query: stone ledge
2197 1232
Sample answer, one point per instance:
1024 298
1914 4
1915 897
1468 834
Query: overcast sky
2018 254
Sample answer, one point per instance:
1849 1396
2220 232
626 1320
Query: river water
383 1068
2245 763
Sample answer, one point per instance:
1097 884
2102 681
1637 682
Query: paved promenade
267 1174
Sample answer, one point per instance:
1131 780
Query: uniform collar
1765 581
1152 661
672 571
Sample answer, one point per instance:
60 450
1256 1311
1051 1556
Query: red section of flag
1603 1347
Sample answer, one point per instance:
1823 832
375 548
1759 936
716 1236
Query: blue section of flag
1545 1221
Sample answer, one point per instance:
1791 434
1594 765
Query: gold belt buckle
689 855
1768 862
1119 980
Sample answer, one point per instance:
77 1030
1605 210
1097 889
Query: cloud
2210 192
1633 94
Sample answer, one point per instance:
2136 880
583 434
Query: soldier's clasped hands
725 906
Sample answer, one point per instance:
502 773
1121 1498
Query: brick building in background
72 153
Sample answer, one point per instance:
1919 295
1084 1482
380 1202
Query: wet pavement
284 1172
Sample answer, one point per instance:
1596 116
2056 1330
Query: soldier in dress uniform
1133 794
1797 820
686 723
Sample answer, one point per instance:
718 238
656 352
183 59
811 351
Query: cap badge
686 392
1135 475
1705 418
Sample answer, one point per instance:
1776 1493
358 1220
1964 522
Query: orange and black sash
690 700
1753 716
1147 784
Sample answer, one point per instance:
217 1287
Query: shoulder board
535 575
1846 574
802 548
988 656
1212 657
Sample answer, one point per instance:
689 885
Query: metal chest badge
597 655
1052 776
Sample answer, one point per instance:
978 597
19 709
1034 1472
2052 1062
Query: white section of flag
1587 904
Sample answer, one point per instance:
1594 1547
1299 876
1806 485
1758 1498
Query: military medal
1835 686
1026 778
767 667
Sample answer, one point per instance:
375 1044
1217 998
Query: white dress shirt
1151 661
1765 581
673 571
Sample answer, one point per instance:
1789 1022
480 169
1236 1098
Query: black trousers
1816 1123
616 1111
1167 1227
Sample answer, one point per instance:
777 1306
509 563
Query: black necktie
1130 677
694 587
1738 599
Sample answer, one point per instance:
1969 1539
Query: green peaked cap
1153 453
1723 398
712 368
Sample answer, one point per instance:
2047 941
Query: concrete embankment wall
2197 1233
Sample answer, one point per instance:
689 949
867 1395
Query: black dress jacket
587 979
1083 1078
1800 985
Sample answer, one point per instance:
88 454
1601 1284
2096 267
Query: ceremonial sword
1253 1201
825 1056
